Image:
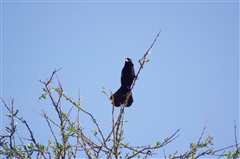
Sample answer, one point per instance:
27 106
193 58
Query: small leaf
134 152
105 92
49 142
158 143
58 90
30 146
25 147
169 156
43 96
166 139
95 132
71 130
229 155
16 112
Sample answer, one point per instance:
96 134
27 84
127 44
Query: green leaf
169 156
18 148
158 143
121 135
134 152
64 114
49 142
105 92
7 149
58 90
25 148
95 132
166 139
30 146
229 155
43 96
41 147
89 153
71 130
16 112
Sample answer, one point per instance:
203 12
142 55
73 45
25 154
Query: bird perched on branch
124 92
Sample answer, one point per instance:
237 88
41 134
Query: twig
54 72
235 134
148 148
164 154
204 128
143 60
49 125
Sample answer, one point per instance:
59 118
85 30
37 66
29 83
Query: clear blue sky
193 71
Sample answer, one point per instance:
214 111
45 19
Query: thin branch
145 149
204 128
49 125
143 60
164 153
54 72
235 134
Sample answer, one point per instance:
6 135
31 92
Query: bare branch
143 60
204 128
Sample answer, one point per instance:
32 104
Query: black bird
127 77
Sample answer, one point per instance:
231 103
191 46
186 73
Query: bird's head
128 60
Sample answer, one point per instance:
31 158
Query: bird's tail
119 97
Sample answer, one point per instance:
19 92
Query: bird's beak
126 60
